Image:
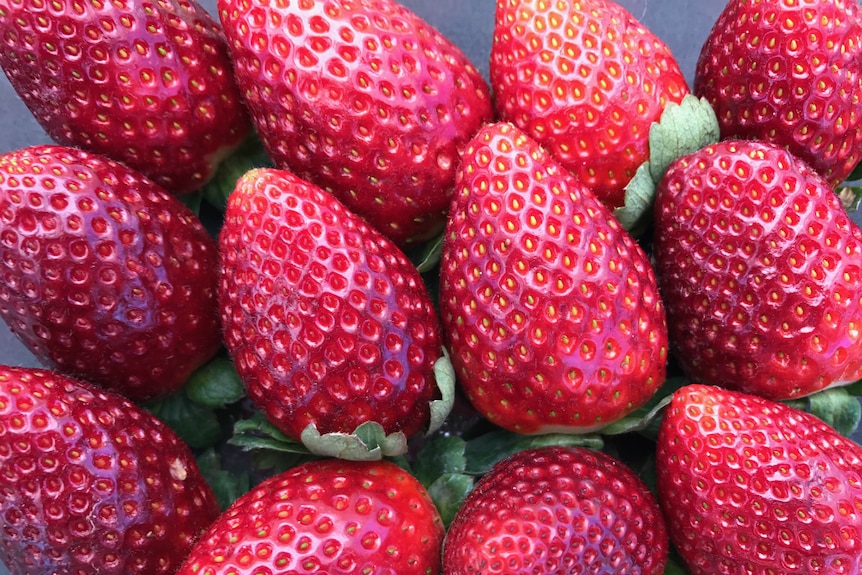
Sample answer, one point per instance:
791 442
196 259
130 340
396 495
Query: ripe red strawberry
103 274
148 84
586 80
750 486
91 483
329 324
758 265
557 510
789 73
551 310
362 98
326 516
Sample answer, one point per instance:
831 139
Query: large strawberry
556 510
148 84
750 486
326 516
362 98
586 80
551 310
103 273
91 483
789 73
758 265
329 324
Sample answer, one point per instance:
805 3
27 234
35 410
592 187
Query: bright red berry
750 486
758 265
789 73
103 273
586 80
362 98
91 483
551 310
327 516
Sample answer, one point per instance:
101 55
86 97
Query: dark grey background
682 24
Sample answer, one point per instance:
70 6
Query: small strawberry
103 274
364 99
750 486
326 516
91 483
758 265
551 310
789 73
586 80
329 324
556 510
148 84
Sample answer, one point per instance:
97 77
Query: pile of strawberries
578 317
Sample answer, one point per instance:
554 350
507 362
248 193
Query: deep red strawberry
758 265
104 274
91 483
557 510
148 84
750 486
551 310
326 516
789 73
329 324
364 99
586 80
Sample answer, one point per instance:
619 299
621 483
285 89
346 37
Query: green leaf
646 418
192 201
850 196
430 256
854 388
257 432
197 425
674 568
442 455
369 442
838 408
448 493
444 375
682 129
485 451
215 384
856 174
248 155
228 486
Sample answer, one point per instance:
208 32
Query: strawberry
362 98
550 309
329 324
104 274
91 483
586 80
751 486
789 73
557 510
327 516
758 266
148 84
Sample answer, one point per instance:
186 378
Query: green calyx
682 129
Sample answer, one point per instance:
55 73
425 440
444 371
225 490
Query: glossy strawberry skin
758 265
362 98
586 80
789 73
557 510
91 483
328 322
551 310
149 84
327 516
750 486
103 274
